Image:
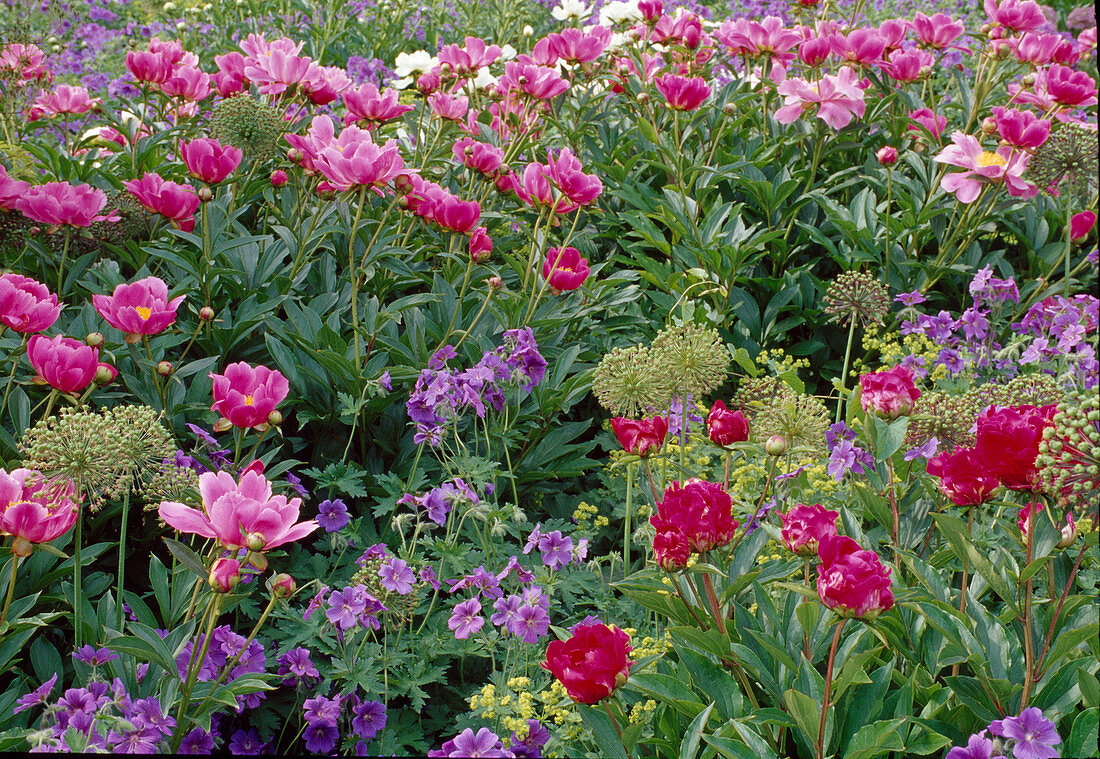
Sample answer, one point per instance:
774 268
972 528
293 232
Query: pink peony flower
449 107
369 105
539 82
465 61
479 156
1068 87
26 305
64 99
1017 15
769 37
225 574
278 178
924 117
850 581
230 78
814 51
862 47
189 84
564 269
908 65
481 245
565 172
888 394
173 201
457 215
838 99
10 189
60 203
1036 49
62 363
1079 227
245 396
1021 129
576 46
937 32
208 160
683 93
982 167
804 527
275 66
32 511
147 66
324 84
141 308
239 514
355 160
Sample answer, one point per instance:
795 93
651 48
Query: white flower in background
570 10
507 53
409 65
528 30
484 79
620 12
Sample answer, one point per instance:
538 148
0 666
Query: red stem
828 690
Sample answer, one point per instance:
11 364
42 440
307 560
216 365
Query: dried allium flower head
248 124
690 359
1067 163
1069 456
106 454
626 381
755 394
399 608
171 482
133 223
856 295
801 420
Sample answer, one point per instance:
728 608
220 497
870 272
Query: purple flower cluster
441 394
484 743
1028 736
225 645
439 501
1060 328
296 667
557 550
844 455
524 614
531 745
354 607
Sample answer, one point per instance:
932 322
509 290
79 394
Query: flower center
143 312
990 159
249 400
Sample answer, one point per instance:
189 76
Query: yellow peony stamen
143 312
991 159
248 400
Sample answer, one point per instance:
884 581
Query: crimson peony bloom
26 305
209 160
245 396
173 201
592 664
963 477
481 245
564 269
1021 129
850 581
239 514
1008 441
890 393
804 527
141 308
147 66
1081 224
701 512
683 93
62 363
641 436
671 550
725 427
32 511
60 203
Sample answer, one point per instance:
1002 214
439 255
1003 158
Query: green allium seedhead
856 295
1067 163
106 454
627 381
248 124
1069 456
755 394
133 223
171 483
690 359
399 608
800 420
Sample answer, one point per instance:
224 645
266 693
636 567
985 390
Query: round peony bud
225 574
275 418
496 282
278 178
1069 532
888 394
205 194
804 527
164 368
776 445
255 541
105 374
206 313
94 339
282 585
887 155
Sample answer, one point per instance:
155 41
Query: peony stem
615 724
193 669
828 689
626 518
11 590
809 584
122 558
1029 643
712 599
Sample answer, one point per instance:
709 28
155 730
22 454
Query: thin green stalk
11 590
78 601
64 258
626 518
828 690
354 274
193 670
122 558
844 371
11 376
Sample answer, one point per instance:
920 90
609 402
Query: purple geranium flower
321 738
926 451
332 515
530 623
978 747
556 549
847 457
1034 734
198 741
484 743
344 607
296 663
466 619
396 576
911 298
37 696
369 719
94 656
246 742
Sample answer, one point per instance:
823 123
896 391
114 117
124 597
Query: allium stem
122 558
1029 643
1069 244
844 371
11 590
828 689
354 274
78 601
626 517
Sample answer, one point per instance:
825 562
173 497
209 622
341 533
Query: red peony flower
26 305
1008 441
850 581
726 427
804 527
592 664
481 245
888 394
701 512
62 363
640 436
671 550
963 477
564 269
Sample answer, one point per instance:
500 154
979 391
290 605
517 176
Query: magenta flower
10 189
576 46
924 117
33 511
456 215
982 168
564 269
449 107
937 32
62 363
374 107
862 47
63 99
26 305
1017 15
566 173
141 308
467 60
768 37
850 581
838 99
479 156
173 201
682 93
59 204
239 515
355 160
890 393
245 396
1079 225
466 619
147 66
539 82
1021 129
484 743
209 160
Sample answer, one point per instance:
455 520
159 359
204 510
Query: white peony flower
571 9
409 65
620 12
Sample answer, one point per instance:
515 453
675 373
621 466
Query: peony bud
255 541
164 368
278 178
257 560
94 339
22 547
205 194
222 425
105 374
887 155
989 125
275 418
225 574
1028 80
282 585
294 155
776 445
1069 532
206 313
496 283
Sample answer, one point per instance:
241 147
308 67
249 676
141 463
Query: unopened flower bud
164 368
275 418
404 185
105 374
94 339
255 541
282 585
1069 532
643 98
989 125
206 313
729 109
225 574
278 177
776 445
1028 80
496 283
22 547
294 155
1002 49
257 560
887 155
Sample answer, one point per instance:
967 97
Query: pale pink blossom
983 168
838 99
